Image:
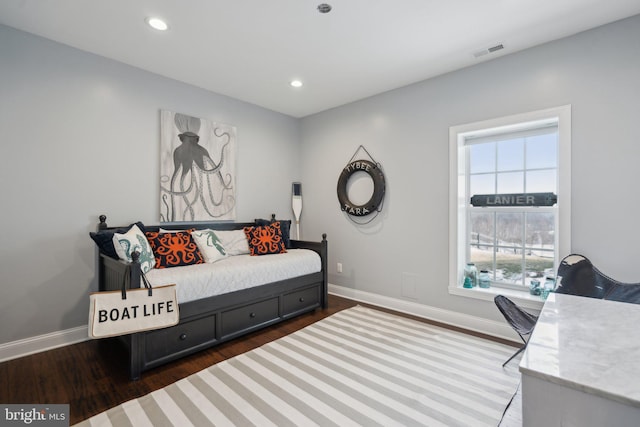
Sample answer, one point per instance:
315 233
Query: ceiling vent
488 50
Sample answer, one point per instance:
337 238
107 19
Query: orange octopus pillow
174 249
265 239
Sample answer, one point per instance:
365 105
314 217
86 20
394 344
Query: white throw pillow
131 241
234 241
209 244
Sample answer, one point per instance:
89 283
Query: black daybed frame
210 321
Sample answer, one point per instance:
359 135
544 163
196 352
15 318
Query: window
510 201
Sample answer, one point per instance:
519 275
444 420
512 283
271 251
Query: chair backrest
519 319
580 277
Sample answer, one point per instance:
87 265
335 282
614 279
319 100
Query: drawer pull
252 315
301 299
183 337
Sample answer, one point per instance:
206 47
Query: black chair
578 276
521 321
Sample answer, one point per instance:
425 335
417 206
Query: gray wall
406 130
80 137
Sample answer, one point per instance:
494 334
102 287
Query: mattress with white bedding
235 273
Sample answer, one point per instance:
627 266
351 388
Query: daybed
208 321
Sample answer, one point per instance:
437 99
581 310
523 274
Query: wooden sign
514 199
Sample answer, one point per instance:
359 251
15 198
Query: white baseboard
453 318
27 346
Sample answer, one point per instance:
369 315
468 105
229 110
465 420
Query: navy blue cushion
104 238
285 227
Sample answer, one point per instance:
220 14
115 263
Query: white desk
582 364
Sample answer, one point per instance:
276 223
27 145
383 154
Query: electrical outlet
339 267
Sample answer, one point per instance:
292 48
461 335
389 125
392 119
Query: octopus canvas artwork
197 169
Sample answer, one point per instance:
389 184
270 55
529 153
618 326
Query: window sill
522 298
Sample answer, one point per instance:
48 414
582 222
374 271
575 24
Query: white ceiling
251 49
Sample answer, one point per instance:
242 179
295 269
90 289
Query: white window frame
458 202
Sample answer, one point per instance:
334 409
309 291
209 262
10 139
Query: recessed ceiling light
157 23
296 83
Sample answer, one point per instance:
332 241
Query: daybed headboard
318 246
226 225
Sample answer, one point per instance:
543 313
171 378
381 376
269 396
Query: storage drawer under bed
185 336
302 300
248 317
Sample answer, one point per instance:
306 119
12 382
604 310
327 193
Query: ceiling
252 49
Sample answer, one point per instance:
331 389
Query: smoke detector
488 50
324 8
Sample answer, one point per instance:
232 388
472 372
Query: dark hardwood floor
92 376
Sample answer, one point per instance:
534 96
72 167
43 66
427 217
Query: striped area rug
357 367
